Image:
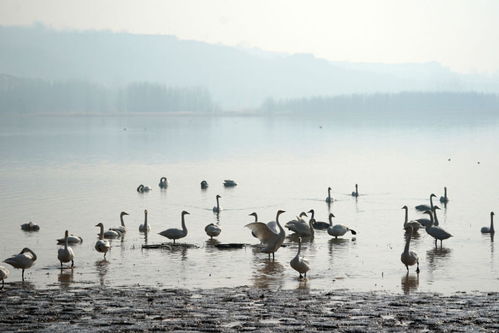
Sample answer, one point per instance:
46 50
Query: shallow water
73 172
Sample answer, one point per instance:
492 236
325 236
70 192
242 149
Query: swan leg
300 277
22 275
72 263
407 267
3 283
436 243
305 275
417 269
174 242
273 256
61 264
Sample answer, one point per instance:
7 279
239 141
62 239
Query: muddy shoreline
242 309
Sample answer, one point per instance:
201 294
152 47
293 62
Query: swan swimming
412 226
338 229
423 208
204 185
217 208
72 239
145 227
300 226
229 183
120 229
356 192
407 257
444 199
66 254
143 189
163 183
329 198
436 232
319 225
174 233
271 240
489 230
212 230
24 260
30 226
102 245
298 263
4 273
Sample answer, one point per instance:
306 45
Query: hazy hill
236 78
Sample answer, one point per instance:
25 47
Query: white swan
217 208
66 254
4 273
356 192
229 183
271 240
72 239
204 185
174 233
163 183
412 226
112 234
300 226
338 229
143 189
407 257
212 230
298 263
329 198
423 208
145 227
436 232
24 260
444 199
120 229
30 226
102 245
489 230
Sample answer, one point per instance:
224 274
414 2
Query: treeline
22 95
404 102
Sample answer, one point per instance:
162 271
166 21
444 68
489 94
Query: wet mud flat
244 309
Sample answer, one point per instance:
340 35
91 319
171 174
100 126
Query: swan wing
273 227
262 231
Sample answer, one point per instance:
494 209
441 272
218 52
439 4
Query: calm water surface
73 172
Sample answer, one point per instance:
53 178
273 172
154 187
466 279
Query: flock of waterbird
270 234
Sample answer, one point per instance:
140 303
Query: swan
145 227
229 183
489 230
102 245
436 232
444 199
66 254
425 222
407 257
72 239
423 208
269 237
338 229
217 208
318 224
4 273
356 192
24 260
329 198
174 233
212 230
298 263
412 226
142 188
30 226
300 226
120 229
163 183
204 185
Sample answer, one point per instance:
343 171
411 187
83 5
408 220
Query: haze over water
74 172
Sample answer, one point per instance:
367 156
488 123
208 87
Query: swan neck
145 220
184 228
256 218
330 220
34 255
66 240
101 235
121 219
329 193
431 202
408 242
281 230
218 205
492 223
436 218
299 247
445 192
406 216
313 214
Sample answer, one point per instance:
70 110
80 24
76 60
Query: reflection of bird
30 226
356 192
4 273
145 227
298 263
412 226
66 254
338 229
444 199
410 283
24 260
489 230
174 233
217 208
120 229
423 208
204 185
329 198
212 230
436 232
102 245
269 237
163 183
409 258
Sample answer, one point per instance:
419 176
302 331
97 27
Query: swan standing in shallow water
102 245
444 199
24 260
318 224
163 183
145 227
120 229
4 273
66 253
356 192
412 226
270 239
298 263
436 232
338 229
30 226
407 257
300 226
329 198
423 208
174 233
212 230
217 208
489 230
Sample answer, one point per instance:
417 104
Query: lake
69 172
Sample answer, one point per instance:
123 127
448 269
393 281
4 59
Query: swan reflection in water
102 267
338 246
66 277
410 283
268 274
436 257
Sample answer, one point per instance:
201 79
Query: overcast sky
462 35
